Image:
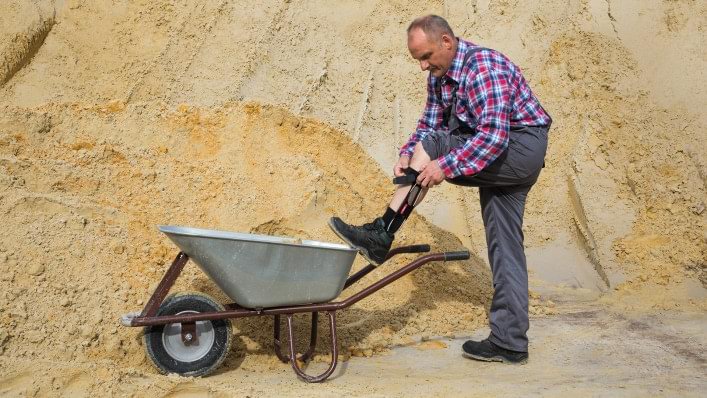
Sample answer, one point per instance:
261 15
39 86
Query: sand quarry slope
115 118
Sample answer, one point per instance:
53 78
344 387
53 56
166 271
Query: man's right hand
403 163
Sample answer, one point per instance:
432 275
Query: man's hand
430 174
403 163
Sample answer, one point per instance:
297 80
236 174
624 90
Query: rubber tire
212 360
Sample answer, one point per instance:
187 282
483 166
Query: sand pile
613 140
24 28
86 187
117 117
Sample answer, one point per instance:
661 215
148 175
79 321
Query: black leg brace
405 209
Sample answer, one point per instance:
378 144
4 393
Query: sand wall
117 117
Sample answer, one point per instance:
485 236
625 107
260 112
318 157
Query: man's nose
424 65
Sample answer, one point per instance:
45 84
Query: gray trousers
503 189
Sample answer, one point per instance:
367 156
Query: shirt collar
455 69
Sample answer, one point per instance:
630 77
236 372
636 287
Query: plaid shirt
492 96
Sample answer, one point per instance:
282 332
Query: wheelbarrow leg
277 344
312 340
334 351
165 284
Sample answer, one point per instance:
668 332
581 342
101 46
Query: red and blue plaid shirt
492 95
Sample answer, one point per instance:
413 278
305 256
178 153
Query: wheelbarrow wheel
170 354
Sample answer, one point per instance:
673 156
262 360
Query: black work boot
371 240
486 350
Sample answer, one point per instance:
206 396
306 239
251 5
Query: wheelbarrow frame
149 317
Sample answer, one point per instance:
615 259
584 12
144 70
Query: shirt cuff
407 151
448 171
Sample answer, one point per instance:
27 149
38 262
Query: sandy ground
585 350
117 117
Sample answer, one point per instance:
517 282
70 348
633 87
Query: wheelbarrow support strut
312 340
334 350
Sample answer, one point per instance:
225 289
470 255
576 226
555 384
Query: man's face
434 56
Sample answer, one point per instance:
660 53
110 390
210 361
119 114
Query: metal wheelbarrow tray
261 271
190 334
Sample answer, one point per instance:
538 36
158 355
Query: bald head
434 26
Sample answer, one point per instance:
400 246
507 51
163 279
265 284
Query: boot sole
363 252
494 359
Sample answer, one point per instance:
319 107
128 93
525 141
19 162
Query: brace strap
409 178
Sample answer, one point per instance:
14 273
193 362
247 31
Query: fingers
428 182
428 177
424 177
397 171
402 164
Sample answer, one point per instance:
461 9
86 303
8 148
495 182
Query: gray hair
434 26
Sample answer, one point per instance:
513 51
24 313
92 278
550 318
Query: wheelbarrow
190 333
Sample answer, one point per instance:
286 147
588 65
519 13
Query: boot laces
374 226
371 226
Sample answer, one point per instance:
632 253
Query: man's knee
419 157
420 150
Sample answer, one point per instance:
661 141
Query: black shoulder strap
471 52
467 57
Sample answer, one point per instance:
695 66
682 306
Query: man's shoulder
483 52
466 45
483 59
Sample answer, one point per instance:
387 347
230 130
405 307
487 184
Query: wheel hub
198 342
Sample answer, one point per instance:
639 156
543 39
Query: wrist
448 172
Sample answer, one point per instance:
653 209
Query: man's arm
489 103
430 120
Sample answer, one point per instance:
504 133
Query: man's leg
374 239
419 159
502 210
502 213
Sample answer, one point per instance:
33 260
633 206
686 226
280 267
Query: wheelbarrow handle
410 249
422 248
454 256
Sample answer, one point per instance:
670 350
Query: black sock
392 220
398 221
388 216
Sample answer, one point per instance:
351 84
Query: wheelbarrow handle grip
416 249
454 256
408 249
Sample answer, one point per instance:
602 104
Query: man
482 126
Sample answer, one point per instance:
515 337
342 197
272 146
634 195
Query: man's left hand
430 174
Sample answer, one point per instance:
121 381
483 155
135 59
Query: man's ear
447 41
